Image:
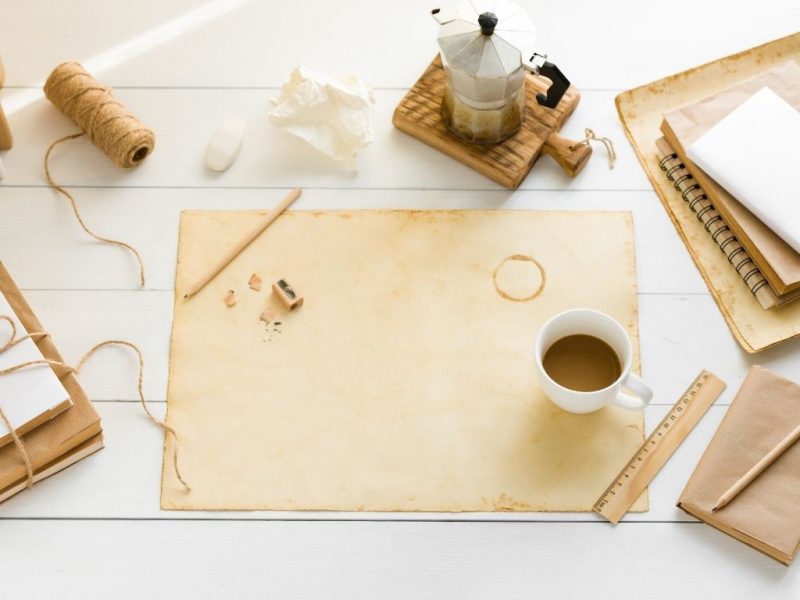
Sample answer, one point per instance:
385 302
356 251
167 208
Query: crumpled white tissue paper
332 113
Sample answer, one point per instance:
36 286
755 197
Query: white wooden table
96 530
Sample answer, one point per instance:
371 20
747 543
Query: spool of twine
112 128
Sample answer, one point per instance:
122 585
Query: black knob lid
487 21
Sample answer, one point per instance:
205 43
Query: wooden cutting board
507 163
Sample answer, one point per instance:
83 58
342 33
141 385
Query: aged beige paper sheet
405 381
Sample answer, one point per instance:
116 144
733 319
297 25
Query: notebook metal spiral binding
691 192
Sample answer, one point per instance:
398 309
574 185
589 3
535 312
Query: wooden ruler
656 449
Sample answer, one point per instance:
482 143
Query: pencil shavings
255 282
230 298
268 315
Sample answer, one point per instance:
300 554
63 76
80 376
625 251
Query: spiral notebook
684 127
717 227
642 111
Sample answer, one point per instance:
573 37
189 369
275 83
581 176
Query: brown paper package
766 514
64 433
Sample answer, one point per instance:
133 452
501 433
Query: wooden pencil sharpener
286 294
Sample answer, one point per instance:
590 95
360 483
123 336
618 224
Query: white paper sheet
27 394
332 113
754 153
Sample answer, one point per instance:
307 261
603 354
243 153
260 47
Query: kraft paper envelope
641 110
765 514
405 381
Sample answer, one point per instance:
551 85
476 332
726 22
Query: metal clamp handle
557 89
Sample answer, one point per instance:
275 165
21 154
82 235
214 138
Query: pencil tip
715 509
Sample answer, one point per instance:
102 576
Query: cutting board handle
572 156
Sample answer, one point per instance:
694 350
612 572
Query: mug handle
643 394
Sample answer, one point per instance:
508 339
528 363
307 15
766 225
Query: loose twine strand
591 137
75 210
110 126
14 340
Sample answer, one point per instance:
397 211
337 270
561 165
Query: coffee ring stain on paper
519 278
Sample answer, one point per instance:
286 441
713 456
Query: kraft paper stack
641 111
58 442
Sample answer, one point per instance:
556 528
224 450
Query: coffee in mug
584 359
582 362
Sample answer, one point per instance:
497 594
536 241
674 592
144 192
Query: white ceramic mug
597 324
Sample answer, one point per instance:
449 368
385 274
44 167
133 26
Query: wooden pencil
757 469
243 243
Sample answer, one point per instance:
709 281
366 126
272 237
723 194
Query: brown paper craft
641 111
766 514
779 263
56 441
405 382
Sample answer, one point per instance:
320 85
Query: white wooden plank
388 560
60 255
123 481
679 336
78 321
184 121
682 334
599 45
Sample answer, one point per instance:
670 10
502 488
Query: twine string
168 429
14 340
92 107
26 459
77 213
110 126
591 137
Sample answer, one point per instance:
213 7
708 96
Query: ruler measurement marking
655 450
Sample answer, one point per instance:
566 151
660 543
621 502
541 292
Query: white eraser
224 145
2 171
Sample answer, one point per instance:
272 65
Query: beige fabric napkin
766 514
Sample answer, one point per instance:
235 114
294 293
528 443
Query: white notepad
754 153
31 396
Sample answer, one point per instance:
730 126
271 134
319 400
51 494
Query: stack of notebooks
44 404
731 157
766 514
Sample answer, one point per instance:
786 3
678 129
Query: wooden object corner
507 162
